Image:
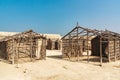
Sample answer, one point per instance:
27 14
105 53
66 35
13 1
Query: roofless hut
100 43
22 46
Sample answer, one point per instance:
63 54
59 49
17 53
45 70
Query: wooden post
78 46
100 52
44 49
69 40
68 49
31 50
108 51
13 56
17 52
119 49
115 49
72 48
37 49
87 48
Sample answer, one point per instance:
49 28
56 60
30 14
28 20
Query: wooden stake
17 52
100 52
13 56
108 52
31 50
119 49
115 50
69 52
87 48
78 46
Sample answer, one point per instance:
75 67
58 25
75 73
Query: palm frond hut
100 43
21 46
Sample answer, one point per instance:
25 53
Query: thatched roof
26 34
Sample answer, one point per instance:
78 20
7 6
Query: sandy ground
54 68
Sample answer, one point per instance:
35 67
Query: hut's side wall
117 49
114 50
24 48
3 53
9 49
21 49
72 48
43 49
65 47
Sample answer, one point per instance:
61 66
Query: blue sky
59 16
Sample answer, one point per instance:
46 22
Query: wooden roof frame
83 30
106 34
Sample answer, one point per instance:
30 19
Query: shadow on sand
94 60
56 57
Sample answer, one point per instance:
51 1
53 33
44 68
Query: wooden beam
69 32
78 33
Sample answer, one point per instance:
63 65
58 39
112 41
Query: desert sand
55 68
